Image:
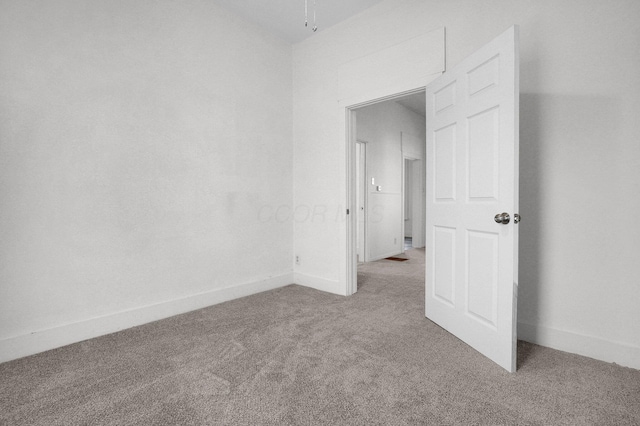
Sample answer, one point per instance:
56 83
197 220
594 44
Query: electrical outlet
297 260
395 241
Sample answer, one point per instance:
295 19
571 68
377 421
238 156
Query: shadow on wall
530 207
566 179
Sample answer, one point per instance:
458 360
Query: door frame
351 201
416 166
365 195
404 197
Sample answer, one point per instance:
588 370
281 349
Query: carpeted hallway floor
301 357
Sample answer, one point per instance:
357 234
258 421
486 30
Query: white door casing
418 204
472 175
361 196
407 197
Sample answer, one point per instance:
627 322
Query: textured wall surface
139 142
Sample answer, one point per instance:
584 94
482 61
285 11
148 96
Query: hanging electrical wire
306 15
315 27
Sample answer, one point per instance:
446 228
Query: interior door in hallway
472 199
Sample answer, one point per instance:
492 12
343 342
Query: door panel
482 277
483 147
444 271
445 163
472 175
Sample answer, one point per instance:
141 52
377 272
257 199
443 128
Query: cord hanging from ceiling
306 15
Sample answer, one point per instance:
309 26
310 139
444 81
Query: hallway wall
382 126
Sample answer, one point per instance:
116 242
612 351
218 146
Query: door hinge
347 211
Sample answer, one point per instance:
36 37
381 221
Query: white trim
403 196
319 283
365 214
405 158
44 340
351 202
388 254
385 94
590 346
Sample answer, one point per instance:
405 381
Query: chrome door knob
502 218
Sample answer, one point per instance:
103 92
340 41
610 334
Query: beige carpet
300 357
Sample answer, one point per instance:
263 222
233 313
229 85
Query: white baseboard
43 340
384 256
592 347
319 283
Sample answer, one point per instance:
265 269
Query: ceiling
416 103
286 17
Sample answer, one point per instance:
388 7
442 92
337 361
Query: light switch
378 188
373 181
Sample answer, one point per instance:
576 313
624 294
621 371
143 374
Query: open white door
472 178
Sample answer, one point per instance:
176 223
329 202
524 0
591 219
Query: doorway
389 141
473 167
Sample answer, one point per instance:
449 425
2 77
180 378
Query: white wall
322 66
382 125
580 156
143 146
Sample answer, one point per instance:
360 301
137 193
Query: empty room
196 212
